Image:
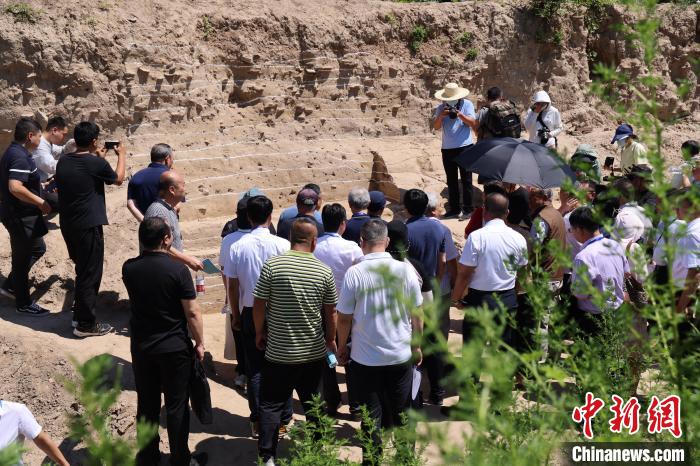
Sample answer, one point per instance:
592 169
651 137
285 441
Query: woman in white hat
455 117
543 121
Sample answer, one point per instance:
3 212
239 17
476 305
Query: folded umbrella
515 161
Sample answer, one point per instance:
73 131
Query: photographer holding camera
455 116
543 121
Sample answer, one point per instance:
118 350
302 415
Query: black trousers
276 386
493 300
26 248
434 364
240 352
452 170
386 392
254 363
86 249
167 373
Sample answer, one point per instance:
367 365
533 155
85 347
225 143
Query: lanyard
600 238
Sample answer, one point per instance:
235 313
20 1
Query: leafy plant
93 393
206 27
465 39
11 455
391 19
419 34
23 12
471 54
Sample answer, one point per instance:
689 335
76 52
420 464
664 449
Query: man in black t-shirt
163 304
21 210
80 179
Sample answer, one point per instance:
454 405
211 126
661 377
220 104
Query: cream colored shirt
633 154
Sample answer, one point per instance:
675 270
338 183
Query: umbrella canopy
515 161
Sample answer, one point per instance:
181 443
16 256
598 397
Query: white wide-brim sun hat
451 91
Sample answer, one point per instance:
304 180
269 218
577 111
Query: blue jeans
254 362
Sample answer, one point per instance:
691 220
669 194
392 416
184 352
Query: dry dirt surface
275 95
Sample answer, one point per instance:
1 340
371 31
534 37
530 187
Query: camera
544 135
111 144
452 110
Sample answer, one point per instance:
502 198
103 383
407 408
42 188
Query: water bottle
331 359
199 283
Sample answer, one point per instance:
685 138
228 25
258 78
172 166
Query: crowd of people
326 286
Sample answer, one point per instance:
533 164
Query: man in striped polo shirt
292 292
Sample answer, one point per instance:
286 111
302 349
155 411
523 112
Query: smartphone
609 162
111 144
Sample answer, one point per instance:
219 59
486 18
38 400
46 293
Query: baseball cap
622 131
640 171
377 200
252 192
307 197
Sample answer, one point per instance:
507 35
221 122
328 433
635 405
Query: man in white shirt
232 337
489 263
339 254
17 423
46 155
50 148
245 261
435 363
382 323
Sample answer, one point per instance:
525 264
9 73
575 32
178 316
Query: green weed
23 12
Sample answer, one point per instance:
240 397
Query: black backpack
503 119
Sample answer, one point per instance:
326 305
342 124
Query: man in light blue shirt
456 118
292 211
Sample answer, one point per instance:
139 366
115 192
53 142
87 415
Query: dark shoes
92 330
451 214
33 310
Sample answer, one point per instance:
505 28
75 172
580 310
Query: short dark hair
85 132
623 187
56 122
25 126
313 187
494 93
495 187
496 205
160 152
415 201
259 209
584 219
690 147
333 216
152 231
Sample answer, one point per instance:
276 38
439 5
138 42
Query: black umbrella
515 161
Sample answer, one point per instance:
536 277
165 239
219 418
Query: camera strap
539 119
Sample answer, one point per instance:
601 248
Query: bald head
303 235
496 206
171 187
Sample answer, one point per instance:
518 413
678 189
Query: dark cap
622 131
377 201
640 171
307 197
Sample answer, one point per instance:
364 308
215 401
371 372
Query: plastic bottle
199 283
